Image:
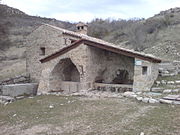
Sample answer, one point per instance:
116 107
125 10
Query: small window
144 70
42 51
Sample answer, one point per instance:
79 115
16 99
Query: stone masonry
66 61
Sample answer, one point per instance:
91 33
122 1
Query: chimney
81 28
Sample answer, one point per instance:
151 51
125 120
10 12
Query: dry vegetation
87 116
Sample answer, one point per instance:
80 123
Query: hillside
158 35
15 25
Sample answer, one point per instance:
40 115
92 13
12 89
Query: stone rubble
139 96
152 100
145 97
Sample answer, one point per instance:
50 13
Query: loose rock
51 106
167 91
165 101
139 98
152 101
145 100
128 94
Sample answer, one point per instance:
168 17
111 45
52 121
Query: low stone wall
15 80
15 90
112 87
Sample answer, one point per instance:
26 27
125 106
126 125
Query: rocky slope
158 35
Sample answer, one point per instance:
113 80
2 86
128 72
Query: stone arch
64 70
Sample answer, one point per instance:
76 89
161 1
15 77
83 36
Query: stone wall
90 62
49 81
105 66
144 81
44 37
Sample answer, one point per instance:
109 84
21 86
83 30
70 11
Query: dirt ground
59 115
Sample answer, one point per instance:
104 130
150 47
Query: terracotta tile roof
101 44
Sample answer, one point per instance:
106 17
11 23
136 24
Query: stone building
62 60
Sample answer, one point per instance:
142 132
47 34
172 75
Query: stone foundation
112 87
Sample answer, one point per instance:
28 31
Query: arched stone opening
64 71
118 77
70 72
122 77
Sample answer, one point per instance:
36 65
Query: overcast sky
86 10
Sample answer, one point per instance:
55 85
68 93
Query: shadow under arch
63 71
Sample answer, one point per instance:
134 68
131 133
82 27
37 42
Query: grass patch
162 120
84 116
